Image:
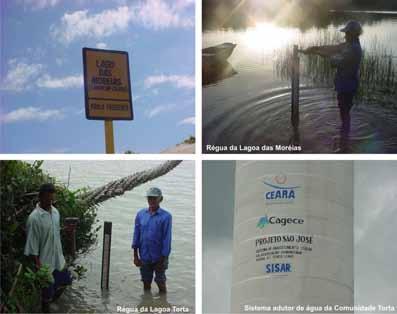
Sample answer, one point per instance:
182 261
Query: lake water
125 287
251 106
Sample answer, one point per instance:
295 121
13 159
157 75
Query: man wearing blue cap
346 57
152 241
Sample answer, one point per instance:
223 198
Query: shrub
19 185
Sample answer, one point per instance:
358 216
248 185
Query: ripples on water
266 120
253 106
85 296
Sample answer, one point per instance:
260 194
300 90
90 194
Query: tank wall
293 234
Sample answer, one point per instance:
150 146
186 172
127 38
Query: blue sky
42 94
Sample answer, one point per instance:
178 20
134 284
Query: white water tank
293 235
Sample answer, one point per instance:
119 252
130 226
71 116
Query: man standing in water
152 241
43 243
346 57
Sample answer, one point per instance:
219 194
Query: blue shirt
348 63
152 234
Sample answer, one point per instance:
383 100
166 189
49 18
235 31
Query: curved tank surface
293 235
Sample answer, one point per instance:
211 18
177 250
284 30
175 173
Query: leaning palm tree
120 186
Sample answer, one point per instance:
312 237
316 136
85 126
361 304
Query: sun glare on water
267 37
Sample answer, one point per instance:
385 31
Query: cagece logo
280 190
283 221
263 221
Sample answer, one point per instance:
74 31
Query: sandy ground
180 149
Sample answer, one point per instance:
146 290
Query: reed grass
378 71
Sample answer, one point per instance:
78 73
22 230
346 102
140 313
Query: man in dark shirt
346 57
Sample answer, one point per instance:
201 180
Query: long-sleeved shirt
152 234
347 62
43 238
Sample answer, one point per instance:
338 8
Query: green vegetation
313 69
190 140
20 181
378 73
27 290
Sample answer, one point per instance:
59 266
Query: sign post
70 228
107 89
109 138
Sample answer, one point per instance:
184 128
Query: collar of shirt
158 211
43 211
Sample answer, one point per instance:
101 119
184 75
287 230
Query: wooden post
70 228
109 138
107 237
295 88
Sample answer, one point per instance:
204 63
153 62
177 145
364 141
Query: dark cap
353 27
47 187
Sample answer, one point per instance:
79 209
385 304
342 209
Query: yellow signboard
107 85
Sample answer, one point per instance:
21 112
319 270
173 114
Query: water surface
252 107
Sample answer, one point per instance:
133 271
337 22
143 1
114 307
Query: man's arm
32 246
136 242
166 247
137 261
324 51
167 233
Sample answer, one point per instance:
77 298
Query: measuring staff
152 241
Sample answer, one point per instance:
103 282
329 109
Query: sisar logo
278 268
280 191
283 221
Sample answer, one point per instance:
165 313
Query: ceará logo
280 190
283 221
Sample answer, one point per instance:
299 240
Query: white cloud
135 97
182 4
101 45
159 109
32 114
180 81
23 76
37 53
152 14
159 14
40 4
80 24
47 81
217 271
60 150
375 214
59 61
20 76
189 120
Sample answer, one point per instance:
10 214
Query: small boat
219 53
